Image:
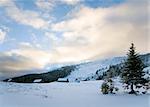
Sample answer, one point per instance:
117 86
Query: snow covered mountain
82 71
89 69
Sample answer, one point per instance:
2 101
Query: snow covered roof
37 80
63 79
9 80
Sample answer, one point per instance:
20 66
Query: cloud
14 65
102 29
3 32
45 4
48 5
70 2
25 45
32 18
2 36
23 60
26 17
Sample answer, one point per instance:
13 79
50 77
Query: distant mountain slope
45 77
83 71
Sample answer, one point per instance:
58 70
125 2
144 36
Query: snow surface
55 94
88 69
147 69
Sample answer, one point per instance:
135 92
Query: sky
36 34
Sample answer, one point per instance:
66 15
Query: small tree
105 88
111 85
132 73
108 87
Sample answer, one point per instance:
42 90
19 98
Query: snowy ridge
81 71
88 69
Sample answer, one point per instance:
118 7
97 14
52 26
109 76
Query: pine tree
132 73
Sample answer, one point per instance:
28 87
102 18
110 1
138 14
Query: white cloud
71 2
48 5
23 60
30 17
45 4
37 55
26 17
25 44
104 31
2 35
3 32
4 2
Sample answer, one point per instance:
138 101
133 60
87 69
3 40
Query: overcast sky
37 33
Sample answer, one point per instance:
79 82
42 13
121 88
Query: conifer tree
132 73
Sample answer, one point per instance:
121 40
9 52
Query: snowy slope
147 69
84 94
87 69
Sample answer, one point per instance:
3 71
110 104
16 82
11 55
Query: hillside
89 70
43 77
84 71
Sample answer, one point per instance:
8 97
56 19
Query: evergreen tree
132 73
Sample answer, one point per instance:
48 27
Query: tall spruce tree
132 73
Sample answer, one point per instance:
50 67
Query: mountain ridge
81 71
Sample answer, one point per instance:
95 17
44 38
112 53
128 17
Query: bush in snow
105 88
116 89
111 86
108 87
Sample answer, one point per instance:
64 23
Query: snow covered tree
105 88
108 87
132 73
